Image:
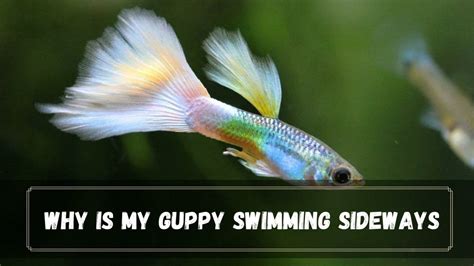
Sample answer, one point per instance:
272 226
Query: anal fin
258 167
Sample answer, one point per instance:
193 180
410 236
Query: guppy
452 110
136 79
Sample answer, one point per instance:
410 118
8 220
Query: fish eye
341 175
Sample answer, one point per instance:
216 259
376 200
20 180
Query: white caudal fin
135 78
232 65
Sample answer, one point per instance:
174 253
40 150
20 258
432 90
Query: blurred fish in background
452 110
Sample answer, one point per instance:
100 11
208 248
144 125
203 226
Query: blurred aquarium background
339 84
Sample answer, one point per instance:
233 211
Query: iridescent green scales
289 150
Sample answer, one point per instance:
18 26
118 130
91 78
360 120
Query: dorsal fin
232 65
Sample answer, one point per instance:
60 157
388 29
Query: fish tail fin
135 78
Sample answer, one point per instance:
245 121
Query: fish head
332 170
341 172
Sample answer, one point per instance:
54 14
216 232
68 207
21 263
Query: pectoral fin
430 120
457 138
258 167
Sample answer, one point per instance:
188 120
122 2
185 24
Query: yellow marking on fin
144 77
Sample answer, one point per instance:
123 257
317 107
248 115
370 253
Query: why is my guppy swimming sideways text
248 220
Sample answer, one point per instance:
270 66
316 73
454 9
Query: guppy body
288 151
136 79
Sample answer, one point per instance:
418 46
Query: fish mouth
328 183
358 182
352 183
